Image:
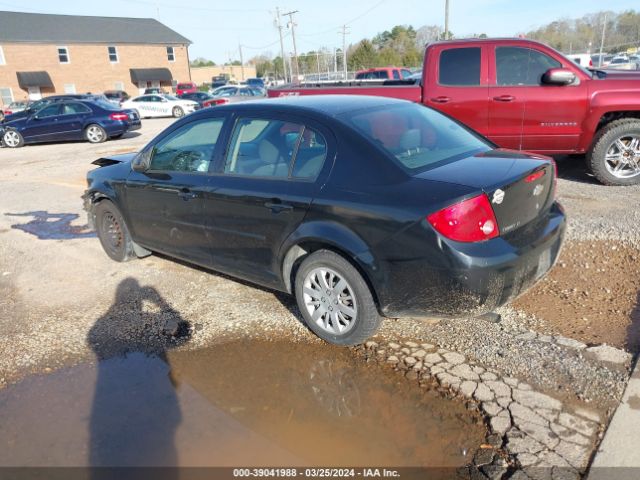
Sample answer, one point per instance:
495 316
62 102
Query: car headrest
268 152
410 139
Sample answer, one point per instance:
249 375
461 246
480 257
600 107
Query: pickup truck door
459 85
525 114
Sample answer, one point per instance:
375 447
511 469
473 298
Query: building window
2 61
69 88
118 86
6 95
113 54
63 54
170 54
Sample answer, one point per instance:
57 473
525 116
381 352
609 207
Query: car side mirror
558 76
142 161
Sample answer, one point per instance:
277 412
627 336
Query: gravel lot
52 291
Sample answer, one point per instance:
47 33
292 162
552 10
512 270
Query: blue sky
217 27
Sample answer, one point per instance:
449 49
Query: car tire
177 112
605 144
344 315
113 232
94 133
13 139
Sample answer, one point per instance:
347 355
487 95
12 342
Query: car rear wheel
615 156
95 134
13 139
177 112
335 301
113 232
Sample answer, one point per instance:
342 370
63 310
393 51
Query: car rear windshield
416 136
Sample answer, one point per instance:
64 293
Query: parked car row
67 118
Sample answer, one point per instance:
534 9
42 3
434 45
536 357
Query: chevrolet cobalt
361 207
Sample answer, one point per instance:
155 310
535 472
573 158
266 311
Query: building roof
69 29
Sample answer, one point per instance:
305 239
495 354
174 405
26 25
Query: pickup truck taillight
119 116
472 220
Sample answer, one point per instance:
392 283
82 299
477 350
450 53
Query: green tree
363 55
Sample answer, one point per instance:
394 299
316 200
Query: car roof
329 105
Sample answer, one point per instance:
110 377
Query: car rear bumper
472 278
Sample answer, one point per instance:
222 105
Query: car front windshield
416 136
171 97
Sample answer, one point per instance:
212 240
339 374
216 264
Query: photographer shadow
135 410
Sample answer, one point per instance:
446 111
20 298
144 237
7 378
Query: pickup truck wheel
113 232
334 299
614 158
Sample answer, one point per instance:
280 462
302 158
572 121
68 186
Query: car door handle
277 207
504 98
187 194
441 100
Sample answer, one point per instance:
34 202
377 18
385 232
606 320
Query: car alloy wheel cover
112 232
177 112
11 138
622 159
329 301
94 134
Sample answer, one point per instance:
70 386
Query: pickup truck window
522 66
417 137
460 67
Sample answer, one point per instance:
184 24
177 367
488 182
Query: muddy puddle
248 403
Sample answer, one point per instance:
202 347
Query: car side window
406 73
459 66
396 75
310 156
522 66
262 148
74 109
50 111
189 148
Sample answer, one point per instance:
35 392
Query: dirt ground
591 295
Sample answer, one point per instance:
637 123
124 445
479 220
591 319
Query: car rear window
183 86
417 137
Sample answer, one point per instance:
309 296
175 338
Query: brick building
43 54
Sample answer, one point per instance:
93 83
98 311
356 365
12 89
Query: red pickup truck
524 95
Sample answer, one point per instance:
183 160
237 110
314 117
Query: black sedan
91 120
360 206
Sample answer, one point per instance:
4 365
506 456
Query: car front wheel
177 112
95 134
334 299
113 232
13 139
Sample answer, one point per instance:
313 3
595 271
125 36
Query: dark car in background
359 206
91 120
36 105
204 99
116 96
255 82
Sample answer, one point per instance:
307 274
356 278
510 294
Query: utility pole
241 61
344 32
292 25
284 61
604 30
446 19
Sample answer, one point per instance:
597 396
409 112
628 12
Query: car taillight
472 220
534 176
8 112
119 116
220 101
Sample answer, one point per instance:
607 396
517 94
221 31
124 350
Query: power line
366 12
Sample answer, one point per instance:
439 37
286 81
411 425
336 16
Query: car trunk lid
519 186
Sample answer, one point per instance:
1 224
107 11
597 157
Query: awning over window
150 74
34 79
